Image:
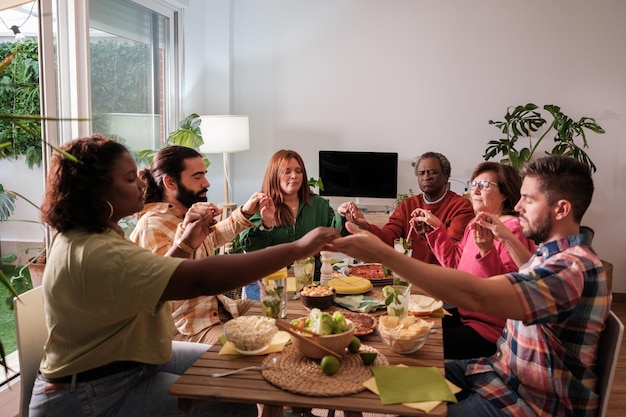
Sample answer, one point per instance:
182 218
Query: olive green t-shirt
101 299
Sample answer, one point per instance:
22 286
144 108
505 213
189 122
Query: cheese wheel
350 285
281 273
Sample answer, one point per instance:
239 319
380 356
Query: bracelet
246 215
184 247
266 229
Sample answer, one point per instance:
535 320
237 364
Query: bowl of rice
250 334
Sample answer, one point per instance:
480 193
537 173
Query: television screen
359 174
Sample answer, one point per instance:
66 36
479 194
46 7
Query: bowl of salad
334 332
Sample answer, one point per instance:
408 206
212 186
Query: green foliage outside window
120 78
19 95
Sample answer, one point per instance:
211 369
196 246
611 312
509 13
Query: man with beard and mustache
176 187
432 170
556 305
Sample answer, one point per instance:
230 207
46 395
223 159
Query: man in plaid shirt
176 187
555 306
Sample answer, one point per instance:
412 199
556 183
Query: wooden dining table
196 385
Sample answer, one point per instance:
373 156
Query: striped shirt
159 226
546 363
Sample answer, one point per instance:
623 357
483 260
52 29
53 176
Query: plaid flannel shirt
546 363
159 226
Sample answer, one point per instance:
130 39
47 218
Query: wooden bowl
335 342
311 300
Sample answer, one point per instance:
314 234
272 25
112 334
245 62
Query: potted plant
524 121
188 134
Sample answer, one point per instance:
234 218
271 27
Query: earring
110 208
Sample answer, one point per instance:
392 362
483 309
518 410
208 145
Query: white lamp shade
224 134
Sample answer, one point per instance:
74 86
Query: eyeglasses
482 184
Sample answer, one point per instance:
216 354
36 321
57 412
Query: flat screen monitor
359 174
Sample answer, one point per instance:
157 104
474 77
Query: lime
387 291
330 364
368 358
354 345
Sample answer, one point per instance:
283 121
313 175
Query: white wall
412 76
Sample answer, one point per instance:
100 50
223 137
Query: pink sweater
465 256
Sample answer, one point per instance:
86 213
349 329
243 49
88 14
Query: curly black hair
74 190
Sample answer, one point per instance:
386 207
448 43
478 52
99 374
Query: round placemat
296 373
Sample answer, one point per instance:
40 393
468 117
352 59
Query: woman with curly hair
109 348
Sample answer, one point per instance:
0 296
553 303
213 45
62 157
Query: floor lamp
225 134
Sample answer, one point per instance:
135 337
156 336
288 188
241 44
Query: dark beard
188 197
541 231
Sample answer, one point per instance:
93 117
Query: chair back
30 327
608 352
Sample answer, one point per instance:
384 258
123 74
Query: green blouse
317 213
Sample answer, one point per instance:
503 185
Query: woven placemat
296 373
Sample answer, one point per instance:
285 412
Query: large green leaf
7 204
525 120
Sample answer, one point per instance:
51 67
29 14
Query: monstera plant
523 121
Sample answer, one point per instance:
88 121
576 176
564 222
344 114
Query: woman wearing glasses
483 251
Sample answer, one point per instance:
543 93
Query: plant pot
36 273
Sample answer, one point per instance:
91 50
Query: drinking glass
274 297
303 271
398 297
398 245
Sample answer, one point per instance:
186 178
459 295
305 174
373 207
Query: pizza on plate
363 323
372 272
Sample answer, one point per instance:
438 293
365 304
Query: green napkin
411 384
359 303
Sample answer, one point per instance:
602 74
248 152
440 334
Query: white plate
423 305
252 352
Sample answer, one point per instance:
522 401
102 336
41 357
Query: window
131 65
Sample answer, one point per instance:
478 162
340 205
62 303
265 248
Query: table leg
272 411
353 414
184 404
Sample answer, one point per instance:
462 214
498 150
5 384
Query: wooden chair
608 353
30 327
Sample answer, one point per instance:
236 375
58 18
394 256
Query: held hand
353 214
424 221
267 210
195 232
316 240
344 208
362 245
493 223
202 211
252 205
483 238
